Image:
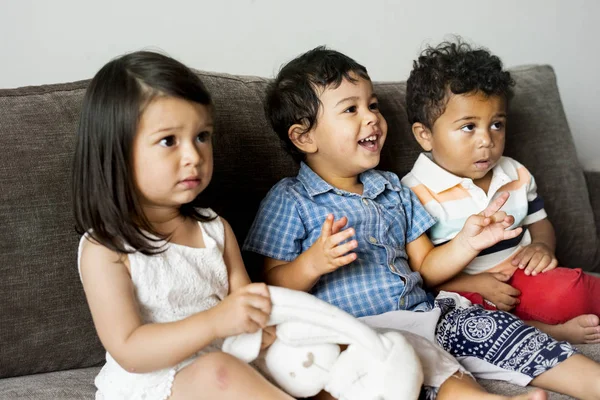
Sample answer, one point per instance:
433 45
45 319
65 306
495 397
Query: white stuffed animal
305 358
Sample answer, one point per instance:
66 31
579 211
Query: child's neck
163 220
346 183
484 183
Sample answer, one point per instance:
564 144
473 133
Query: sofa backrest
44 321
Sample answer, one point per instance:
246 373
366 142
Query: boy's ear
423 135
302 139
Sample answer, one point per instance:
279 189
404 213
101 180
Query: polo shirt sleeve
535 203
418 220
277 231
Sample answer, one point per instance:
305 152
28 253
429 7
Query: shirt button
365 202
393 267
372 240
402 302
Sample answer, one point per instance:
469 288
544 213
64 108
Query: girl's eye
374 106
498 125
468 128
203 136
167 141
350 109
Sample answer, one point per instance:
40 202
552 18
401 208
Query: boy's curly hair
293 96
452 67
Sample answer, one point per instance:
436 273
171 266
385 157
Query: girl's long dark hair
105 202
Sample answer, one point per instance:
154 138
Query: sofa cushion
45 324
77 384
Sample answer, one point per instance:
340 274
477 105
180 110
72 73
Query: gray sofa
48 346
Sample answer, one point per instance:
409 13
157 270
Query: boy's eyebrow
353 98
469 117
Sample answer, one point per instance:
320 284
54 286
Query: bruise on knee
222 377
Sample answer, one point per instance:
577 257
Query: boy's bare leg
221 376
581 329
464 387
577 376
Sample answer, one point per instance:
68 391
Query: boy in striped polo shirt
456 101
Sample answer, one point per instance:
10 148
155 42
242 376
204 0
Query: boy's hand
489 226
493 287
536 258
326 253
244 311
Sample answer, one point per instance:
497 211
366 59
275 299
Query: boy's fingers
512 233
498 216
338 225
341 236
327 226
500 276
551 266
479 220
508 221
495 205
345 260
527 254
344 248
537 263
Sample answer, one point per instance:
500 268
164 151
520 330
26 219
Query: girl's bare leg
222 376
464 387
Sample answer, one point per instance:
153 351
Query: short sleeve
535 203
418 220
277 231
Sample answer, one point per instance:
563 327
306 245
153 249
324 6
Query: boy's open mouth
370 142
483 164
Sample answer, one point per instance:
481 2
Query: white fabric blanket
305 358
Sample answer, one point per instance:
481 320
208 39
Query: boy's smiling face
349 133
468 138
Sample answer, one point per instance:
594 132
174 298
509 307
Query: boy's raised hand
326 253
487 228
244 311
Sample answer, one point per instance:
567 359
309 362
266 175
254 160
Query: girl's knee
216 368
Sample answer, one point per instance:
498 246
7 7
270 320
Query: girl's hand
536 258
327 254
244 311
268 337
489 226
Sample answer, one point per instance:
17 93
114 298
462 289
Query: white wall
65 40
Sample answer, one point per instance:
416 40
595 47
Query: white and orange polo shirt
451 199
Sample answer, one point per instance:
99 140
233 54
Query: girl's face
172 152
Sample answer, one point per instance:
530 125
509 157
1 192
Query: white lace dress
169 287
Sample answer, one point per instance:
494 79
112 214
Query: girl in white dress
163 278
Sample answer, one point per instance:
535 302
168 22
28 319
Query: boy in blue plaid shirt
374 260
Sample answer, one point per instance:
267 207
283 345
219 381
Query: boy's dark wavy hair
293 96
452 67
105 202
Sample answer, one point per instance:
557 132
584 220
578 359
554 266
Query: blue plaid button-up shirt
385 218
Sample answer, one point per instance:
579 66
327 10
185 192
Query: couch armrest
593 185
